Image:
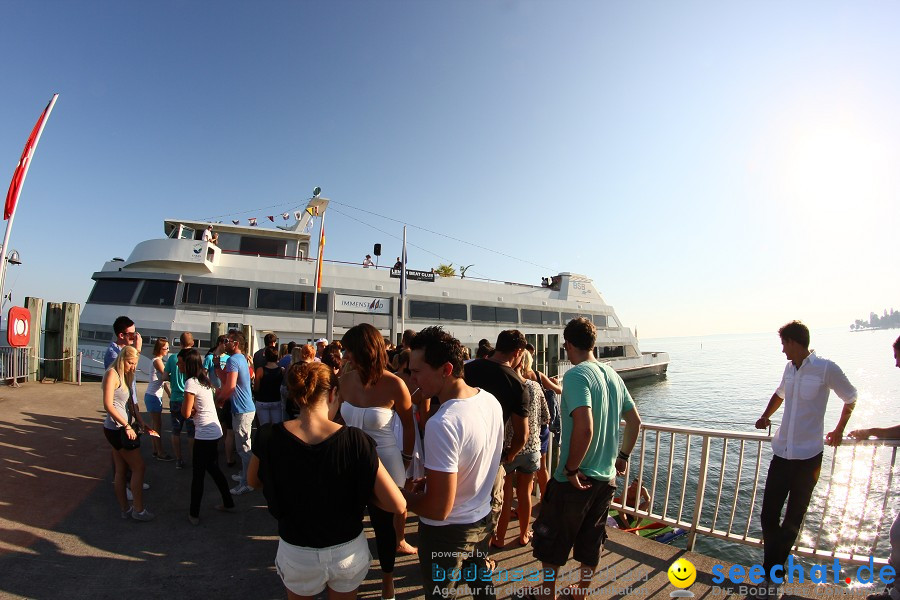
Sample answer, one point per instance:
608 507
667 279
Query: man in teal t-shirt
574 509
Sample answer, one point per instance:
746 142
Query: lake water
725 382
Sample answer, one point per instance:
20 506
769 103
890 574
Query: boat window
494 314
158 293
609 351
229 295
187 233
531 316
216 295
613 322
114 291
288 300
263 246
540 317
600 321
442 311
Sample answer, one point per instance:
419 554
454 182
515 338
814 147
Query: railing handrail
697 517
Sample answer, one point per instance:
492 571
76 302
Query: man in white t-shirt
463 443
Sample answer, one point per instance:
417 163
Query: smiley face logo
682 573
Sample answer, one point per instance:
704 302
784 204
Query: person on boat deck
368 262
892 433
398 264
463 446
208 234
797 445
574 511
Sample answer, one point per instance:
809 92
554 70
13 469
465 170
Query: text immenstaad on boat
265 278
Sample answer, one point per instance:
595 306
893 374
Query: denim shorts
179 422
152 403
307 571
524 462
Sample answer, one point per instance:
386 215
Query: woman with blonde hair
121 436
322 542
372 398
526 462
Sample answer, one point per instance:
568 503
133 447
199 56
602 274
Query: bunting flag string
271 218
252 221
285 216
237 222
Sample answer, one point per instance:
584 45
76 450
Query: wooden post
71 312
53 340
247 330
215 330
36 307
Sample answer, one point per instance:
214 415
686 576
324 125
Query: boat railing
710 482
360 265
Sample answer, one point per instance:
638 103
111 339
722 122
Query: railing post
80 362
701 487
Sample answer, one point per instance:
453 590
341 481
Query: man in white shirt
368 262
797 445
463 442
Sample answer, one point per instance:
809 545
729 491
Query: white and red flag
15 186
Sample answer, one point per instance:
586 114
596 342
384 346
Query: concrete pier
61 535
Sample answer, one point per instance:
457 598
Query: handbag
129 444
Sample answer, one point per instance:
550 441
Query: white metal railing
720 472
13 364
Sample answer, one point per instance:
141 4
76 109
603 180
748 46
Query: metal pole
318 283
403 285
80 360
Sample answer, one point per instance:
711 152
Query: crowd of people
424 429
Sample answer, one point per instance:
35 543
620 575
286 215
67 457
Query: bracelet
405 456
572 472
623 456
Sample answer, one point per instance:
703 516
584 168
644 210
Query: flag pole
27 158
318 274
403 285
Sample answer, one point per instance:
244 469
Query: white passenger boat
265 278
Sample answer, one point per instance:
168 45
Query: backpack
553 408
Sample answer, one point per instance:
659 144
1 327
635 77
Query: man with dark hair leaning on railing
891 433
797 446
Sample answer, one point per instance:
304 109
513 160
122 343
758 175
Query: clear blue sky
713 166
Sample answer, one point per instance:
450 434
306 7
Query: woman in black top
267 387
317 477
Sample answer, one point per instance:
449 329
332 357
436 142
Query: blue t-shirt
242 397
597 386
176 380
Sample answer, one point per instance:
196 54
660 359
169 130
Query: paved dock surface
61 535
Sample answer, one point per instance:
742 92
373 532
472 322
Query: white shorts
307 571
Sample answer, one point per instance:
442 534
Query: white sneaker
236 478
144 515
128 494
241 489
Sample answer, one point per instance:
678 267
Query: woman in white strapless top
372 398
378 422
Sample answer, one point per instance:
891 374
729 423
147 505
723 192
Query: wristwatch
572 472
